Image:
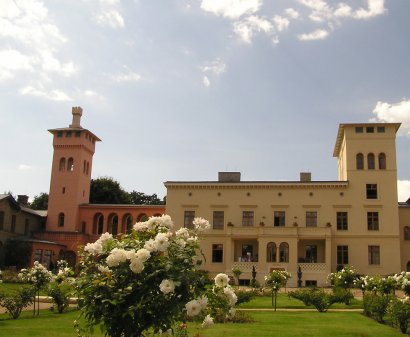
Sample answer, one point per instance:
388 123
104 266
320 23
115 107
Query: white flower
104 237
201 224
230 294
232 312
221 280
203 302
93 248
167 286
192 239
162 242
104 269
181 242
143 254
140 226
184 232
136 266
166 221
208 321
116 257
151 245
193 308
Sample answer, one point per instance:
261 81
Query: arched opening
142 217
70 165
271 252
284 252
62 164
359 161
406 232
370 161
84 166
71 258
98 223
127 223
61 220
382 161
113 224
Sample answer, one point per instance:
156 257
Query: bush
319 298
244 296
10 276
302 295
375 305
341 295
14 304
399 311
60 293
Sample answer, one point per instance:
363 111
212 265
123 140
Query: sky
181 89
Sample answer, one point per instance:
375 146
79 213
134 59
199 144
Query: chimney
22 199
305 176
77 113
229 176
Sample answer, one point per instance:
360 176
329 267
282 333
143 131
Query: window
47 258
188 219
370 129
218 220
373 221
284 252
1 221
217 253
247 218
113 224
98 223
381 129
59 134
311 254
374 255
127 223
26 226
311 219
38 255
61 220
359 129
83 227
62 164
271 252
68 134
84 166
70 165
371 191
359 161
342 255
408 266
370 161
13 224
279 218
88 168
341 221
382 161
78 133
406 232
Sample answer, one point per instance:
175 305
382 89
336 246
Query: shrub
399 311
344 278
10 276
375 305
20 299
60 289
341 295
244 296
319 298
302 295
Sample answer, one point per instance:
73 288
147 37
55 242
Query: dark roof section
18 207
27 239
74 129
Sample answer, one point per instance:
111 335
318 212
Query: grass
286 302
284 324
10 288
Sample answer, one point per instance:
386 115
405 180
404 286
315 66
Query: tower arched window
62 164
61 220
271 252
359 161
406 232
284 252
98 223
113 224
382 161
70 165
370 161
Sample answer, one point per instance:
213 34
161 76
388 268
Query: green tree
106 190
17 253
40 202
140 198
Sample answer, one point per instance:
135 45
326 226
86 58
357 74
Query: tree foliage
17 253
40 202
106 190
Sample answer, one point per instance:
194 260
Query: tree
17 253
139 198
106 190
40 202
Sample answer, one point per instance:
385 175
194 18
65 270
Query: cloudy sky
182 89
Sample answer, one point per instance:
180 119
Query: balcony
313 268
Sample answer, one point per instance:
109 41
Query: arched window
271 252
127 223
88 168
142 217
382 161
113 224
61 220
62 164
284 252
406 233
98 223
70 165
370 161
359 161
408 266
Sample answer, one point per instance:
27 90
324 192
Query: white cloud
281 23
343 10
217 67
292 13
206 82
375 8
318 34
24 167
11 61
403 189
110 18
126 76
53 95
394 113
246 28
232 9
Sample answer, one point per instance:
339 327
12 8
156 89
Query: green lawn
283 324
9 288
284 301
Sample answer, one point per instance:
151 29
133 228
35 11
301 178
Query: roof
19 207
120 206
42 213
74 129
27 239
340 133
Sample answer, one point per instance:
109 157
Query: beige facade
314 225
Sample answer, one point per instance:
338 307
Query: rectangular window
218 220
217 253
381 129
1 221
374 255
341 221
342 255
359 129
370 129
59 134
279 218
371 191
47 258
78 133
68 134
247 218
38 255
188 219
311 219
13 224
311 253
26 226
373 221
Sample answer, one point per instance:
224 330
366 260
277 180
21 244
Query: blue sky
182 89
